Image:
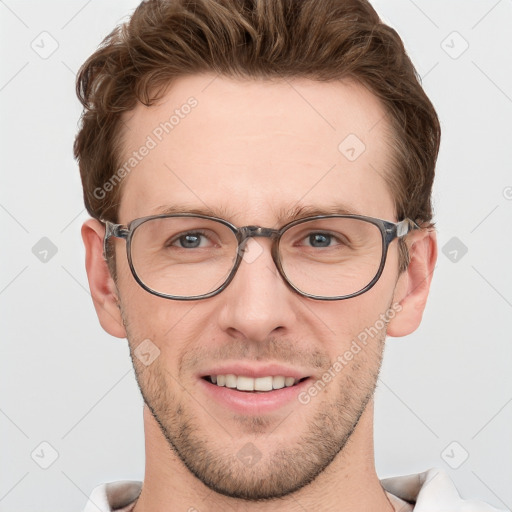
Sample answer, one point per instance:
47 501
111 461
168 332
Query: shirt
430 491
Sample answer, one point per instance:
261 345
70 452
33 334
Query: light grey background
67 383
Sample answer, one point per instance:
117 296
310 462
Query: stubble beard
280 472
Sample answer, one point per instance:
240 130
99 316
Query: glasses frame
389 231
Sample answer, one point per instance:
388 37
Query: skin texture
250 152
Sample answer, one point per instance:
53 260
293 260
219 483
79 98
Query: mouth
254 388
251 390
247 384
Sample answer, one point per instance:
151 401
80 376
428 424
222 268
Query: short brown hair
317 39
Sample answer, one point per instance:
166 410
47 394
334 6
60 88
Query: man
259 176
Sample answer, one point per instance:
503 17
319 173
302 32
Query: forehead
251 149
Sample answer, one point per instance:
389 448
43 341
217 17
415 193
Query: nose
257 303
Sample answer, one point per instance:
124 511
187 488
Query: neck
349 483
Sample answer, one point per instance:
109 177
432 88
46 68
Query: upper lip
255 370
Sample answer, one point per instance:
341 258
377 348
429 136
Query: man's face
253 151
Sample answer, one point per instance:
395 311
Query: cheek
173 327
345 320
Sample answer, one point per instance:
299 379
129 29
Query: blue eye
320 240
191 240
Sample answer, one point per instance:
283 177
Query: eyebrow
299 211
284 214
172 209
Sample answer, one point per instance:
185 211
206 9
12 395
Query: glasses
189 257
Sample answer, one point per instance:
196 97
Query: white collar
430 491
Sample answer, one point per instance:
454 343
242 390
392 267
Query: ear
413 285
103 289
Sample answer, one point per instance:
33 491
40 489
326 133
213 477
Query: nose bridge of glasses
256 231
245 233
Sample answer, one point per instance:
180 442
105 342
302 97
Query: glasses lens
331 257
183 256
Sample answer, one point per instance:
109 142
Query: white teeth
231 380
263 384
289 381
278 382
244 383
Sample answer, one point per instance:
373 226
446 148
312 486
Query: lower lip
253 403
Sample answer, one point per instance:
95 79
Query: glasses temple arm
405 226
